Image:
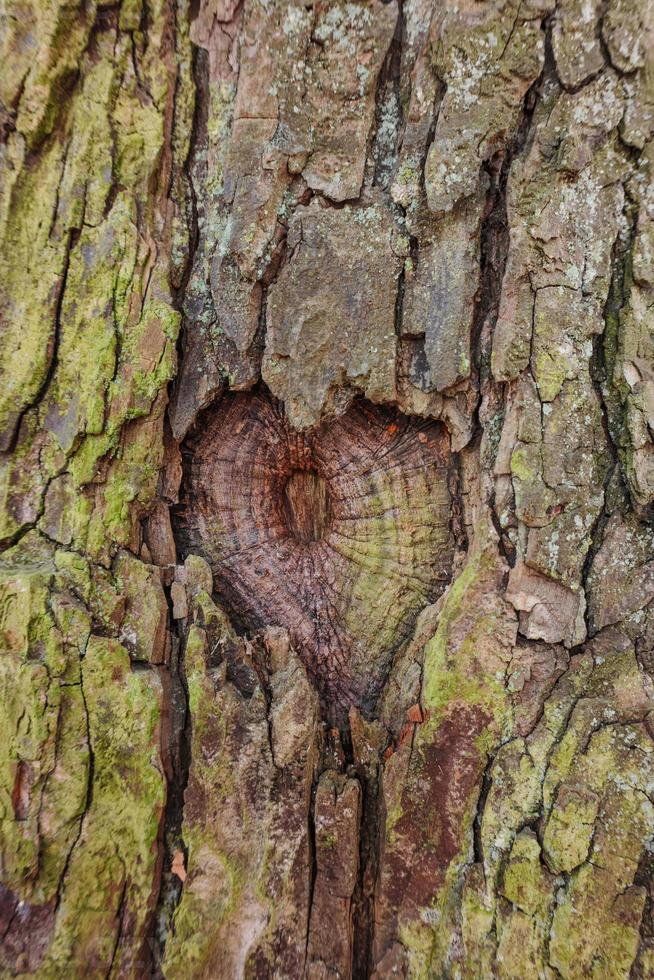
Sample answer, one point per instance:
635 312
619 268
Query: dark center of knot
306 506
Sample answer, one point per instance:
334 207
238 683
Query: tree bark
326 631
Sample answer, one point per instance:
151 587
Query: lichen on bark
347 303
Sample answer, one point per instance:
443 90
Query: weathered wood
255 494
326 486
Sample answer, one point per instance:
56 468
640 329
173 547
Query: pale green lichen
122 822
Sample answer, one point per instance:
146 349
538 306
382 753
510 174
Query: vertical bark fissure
602 366
87 803
382 155
313 871
178 735
364 896
605 345
643 878
494 236
178 754
494 250
120 918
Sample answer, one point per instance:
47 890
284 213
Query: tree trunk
327 479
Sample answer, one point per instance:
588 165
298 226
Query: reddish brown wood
340 534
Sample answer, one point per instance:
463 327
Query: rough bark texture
326 486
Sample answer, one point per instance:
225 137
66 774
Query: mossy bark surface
326 489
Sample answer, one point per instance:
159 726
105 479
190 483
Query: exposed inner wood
340 534
306 505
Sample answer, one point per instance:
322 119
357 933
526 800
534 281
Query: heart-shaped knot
340 534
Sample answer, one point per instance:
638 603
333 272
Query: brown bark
326 489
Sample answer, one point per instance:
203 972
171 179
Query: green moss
29 286
117 328
551 370
596 942
63 33
463 673
118 847
522 465
418 938
195 666
196 926
130 15
65 792
522 921
446 678
82 219
525 882
569 830
74 570
406 174
41 709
